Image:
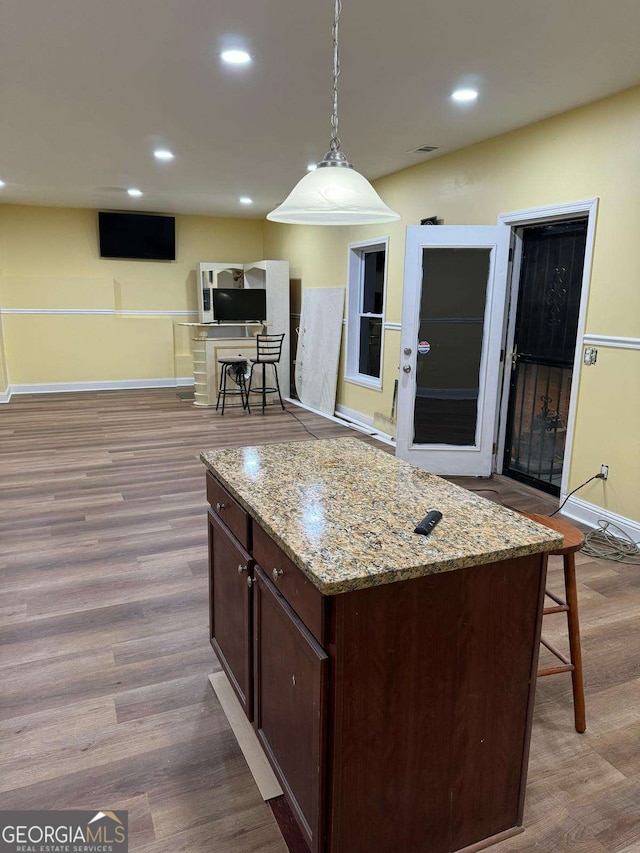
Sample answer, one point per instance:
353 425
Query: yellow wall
608 431
4 377
590 152
49 259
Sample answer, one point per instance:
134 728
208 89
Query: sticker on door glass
424 347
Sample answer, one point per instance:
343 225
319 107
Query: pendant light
334 193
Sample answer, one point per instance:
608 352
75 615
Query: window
366 285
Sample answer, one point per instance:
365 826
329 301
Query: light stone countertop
345 512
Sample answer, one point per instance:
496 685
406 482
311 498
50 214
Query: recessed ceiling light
312 167
134 192
246 200
464 95
2 184
235 57
163 154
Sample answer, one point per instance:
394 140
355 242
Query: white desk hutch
212 340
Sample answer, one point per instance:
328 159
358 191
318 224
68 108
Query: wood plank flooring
104 657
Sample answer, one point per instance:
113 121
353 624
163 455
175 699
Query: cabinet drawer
307 601
229 511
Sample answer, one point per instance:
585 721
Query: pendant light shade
334 193
333 196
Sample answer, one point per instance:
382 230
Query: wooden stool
238 364
573 541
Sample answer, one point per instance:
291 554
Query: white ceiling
88 88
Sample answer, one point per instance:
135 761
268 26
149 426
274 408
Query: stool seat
573 541
236 364
265 359
573 537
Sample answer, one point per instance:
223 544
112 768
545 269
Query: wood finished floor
104 657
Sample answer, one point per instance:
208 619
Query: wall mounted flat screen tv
137 235
239 305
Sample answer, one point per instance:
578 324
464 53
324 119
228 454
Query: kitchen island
389 676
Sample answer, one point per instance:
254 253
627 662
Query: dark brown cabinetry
396 717
230 611
265 632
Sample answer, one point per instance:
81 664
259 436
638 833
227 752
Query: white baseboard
363 423
112 385
589 514
343 419
356 417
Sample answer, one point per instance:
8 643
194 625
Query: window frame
355 282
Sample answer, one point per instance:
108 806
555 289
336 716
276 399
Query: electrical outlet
604 471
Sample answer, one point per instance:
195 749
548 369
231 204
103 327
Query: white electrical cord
604 545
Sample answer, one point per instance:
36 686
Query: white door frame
537 216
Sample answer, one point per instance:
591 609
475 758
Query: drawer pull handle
241 569
220 506
250 581
277 573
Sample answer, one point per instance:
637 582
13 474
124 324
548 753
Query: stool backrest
269 347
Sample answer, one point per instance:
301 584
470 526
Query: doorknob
407 368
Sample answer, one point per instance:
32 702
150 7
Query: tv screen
236 305
137 235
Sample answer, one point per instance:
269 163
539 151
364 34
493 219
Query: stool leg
574 642
220 387
275 370
243 387
264 387
224 388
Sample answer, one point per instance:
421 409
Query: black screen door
544 347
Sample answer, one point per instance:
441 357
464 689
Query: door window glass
452 306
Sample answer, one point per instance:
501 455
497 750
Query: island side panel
431 708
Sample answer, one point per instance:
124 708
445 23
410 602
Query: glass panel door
452 325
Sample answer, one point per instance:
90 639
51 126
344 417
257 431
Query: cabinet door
230 609
291 696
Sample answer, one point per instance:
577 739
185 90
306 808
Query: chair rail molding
111 311
611 341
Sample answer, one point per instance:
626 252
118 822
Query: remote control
428 522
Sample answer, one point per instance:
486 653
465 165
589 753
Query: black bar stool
573 541
235 366
269 349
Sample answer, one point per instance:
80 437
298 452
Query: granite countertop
345 512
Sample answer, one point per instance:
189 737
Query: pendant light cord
335 140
